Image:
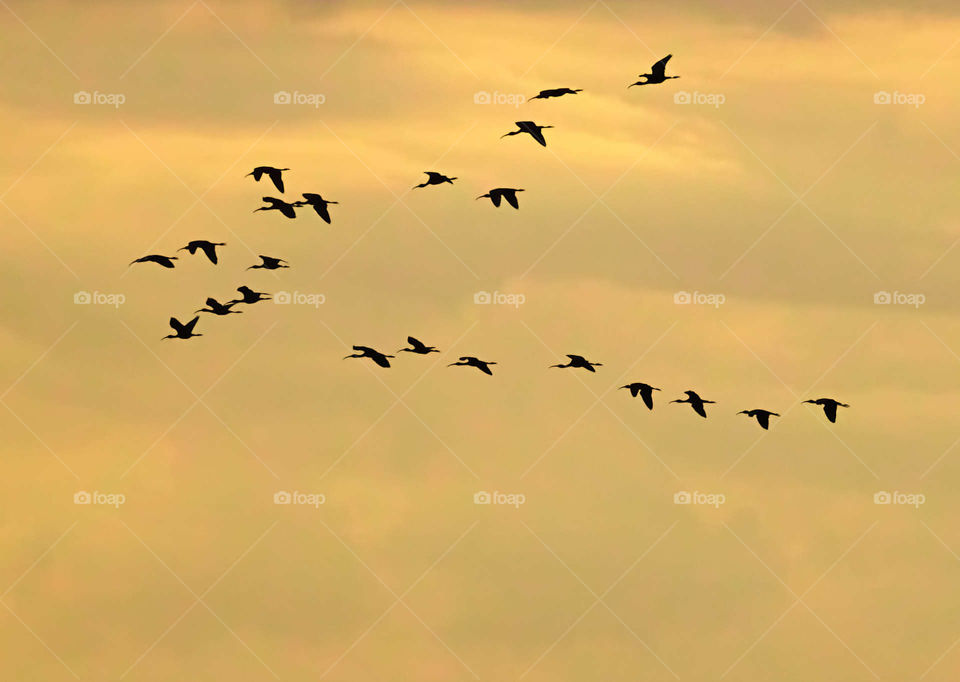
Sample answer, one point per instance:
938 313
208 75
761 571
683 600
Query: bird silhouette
645 391
418 347
209 248
556 92
580 361
656 75
496 195
829 406
319 205
278 205
696 402
184 331
434 178
270 263
250 296
218 308
165 261
275 174
375 355
762 417
470 361
532 129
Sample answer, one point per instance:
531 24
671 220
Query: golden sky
801 174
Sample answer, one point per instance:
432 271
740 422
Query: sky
778 224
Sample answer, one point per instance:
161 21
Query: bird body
434 178
319 205
470 361
829 406
373 354
762 417
530 128
285 208
270 263
644 390
418 347
208 248
696 402
183 331
657 74
218 308
165 261
555 92
500 193
250 296
275 174
580 361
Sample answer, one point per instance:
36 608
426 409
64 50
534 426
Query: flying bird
532 129
250 296
184 331
762 417
556 92
270 263
278 205
696 402
209 248
217 308
496 195
418 347
275 174
656 75
165 261
580 361
829 406
644 390
434 179
375 355
319 205
470 361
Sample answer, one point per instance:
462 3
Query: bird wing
633 388
175 325
322 211
531 128
415 343
830 409
277 177
495 197
212 302
577 358
660 67
211 252
763 418
511 198
257 173
287 209
311 197
647 398
698 408
484 368
380 359
191 324
434 176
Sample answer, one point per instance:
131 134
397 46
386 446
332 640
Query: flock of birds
497 195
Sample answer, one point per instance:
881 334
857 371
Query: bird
278 205
645 391
470 361
209 248
532 129
762 417
556 92
375 355
184 331
580 361
829 406
496 195
250 296
656 74
319 205
270 263
418 347
165 261
434 178
275 174
218 308
696 402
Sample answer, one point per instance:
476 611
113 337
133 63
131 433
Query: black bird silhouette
556 92
250 296
645 391
496 195
278 205
696 402
275 174
319 205
434 178
580 361
656 74
762 417
218 308
532 129
375 355
470 361
165 261
829 406
418 347
184 331
209 248
270 263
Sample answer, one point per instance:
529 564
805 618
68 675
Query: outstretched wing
763 419
176 326
188 327
511 198
484 368
698 408
660 68
647 396
277 177
211 252
495 197
415 343
321 209
257 173
531 128
830 409
287 209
